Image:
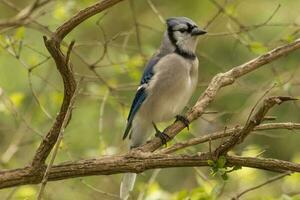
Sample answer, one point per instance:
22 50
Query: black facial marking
190 28
171 36
182 30
179 51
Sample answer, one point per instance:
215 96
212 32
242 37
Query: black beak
197 31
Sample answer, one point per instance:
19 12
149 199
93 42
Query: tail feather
127 130
127 185
139 132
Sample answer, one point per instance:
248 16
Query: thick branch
269 164
136 163
50 139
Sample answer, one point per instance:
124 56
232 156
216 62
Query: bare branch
136 163
100 191
154 9
271 180
60 137
136 25
226 133
69 52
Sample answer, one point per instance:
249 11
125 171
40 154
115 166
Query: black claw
164 137
184 120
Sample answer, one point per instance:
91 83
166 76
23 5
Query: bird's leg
184 120
164 137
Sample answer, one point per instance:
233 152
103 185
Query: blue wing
148 72
141 94
139 98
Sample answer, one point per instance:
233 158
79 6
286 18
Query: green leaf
258 47
17 98
210 163
221 162
62 10
26 192
182 195
231 10
222 171
56 97
135 61
289 38
19 34
224 176
200 194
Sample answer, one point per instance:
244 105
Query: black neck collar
185 54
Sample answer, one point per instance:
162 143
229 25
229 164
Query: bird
169 79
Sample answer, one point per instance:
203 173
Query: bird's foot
184 120
163 137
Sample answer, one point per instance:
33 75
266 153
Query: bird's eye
182 30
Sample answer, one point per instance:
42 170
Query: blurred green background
118 50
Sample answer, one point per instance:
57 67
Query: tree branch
60 137
226 133
136 163
275 178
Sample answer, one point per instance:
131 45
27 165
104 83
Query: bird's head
183 33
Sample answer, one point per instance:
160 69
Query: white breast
170 89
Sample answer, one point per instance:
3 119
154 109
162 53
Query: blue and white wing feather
141 93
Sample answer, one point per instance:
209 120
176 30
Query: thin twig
69 52
271 180
136 25
149 183
154 9
227 133
99 191
259 100
56 147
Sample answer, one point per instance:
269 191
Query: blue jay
169 80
